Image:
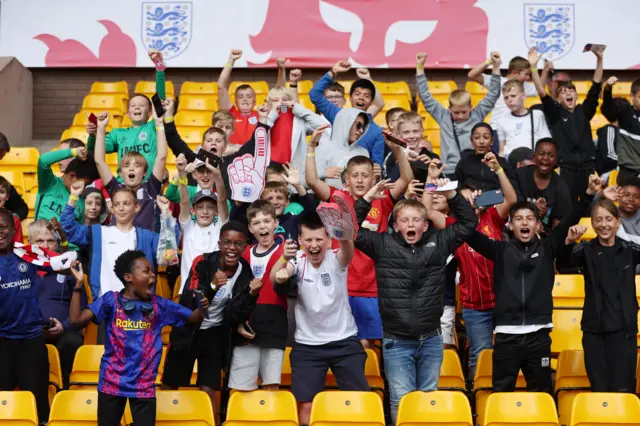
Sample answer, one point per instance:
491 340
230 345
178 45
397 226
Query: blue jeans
479 329
411 365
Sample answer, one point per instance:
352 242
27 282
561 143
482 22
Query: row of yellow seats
81 408
568 291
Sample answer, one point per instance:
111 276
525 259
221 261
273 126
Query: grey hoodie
337 152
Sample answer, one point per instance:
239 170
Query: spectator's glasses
359 125
239 245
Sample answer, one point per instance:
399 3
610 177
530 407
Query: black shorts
111 408
24 363
309 365
208 347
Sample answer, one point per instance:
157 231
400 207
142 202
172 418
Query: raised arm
345 252
590 104
476 72
438 219
294 77
534 58
224 99
221 192
367 241
378 101
320 188
174 141
316 94
488 102
161 149
100 154
281 80
78 317
183 189
456 234
510 195
406 173
45 175
432 106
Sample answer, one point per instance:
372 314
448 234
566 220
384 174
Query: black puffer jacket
411 278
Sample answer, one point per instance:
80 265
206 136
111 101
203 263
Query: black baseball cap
519 155
204 194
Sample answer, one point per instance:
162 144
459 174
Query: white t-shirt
322 312
259 261
114 243
521 329
195 242
501 108
515 130
218 306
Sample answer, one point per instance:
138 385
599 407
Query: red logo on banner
117 49
373 32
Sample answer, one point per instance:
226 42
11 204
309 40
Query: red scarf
281 134
40 256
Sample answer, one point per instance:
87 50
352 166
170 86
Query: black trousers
576 180
111 408
610 361
530 352
24 363
67 344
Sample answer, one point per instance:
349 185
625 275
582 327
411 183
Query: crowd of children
260 269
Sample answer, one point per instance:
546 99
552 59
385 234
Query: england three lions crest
166 27
550 28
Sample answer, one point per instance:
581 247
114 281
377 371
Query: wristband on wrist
311 154
174 180
488 62
167 119
183 180
64 244
534 69
293 84
228 65
158 128
420 67
74 152
283 259
74 197
78 289
500 170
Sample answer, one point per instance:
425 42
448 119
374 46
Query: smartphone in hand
490 198
157 105
248 329
204 155
393 138
93 119
590 46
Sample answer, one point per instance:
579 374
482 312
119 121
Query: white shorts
250 362
447 325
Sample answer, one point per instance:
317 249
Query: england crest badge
166 27
550 28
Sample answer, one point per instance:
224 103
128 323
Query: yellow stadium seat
393 88
193 119
451 376
638 288
520 408
304 87
77 132
275 408
571 379
86 367
20 159
305 101
285 375
597 409
118 87
199 88
192 135
442 87
397 102
115 104
184 408
475 88
566 334
30 199
198 103
148 88
568 291
582 87
483 382
622 88
55 372
347 407
379 119
590 234
16 179
74 408
613 178
439 408
598 121
531 101
25 229
18 408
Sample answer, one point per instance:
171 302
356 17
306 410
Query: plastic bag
167 243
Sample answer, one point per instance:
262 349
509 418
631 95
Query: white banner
316 33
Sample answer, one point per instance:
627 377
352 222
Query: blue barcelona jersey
20 316
133 345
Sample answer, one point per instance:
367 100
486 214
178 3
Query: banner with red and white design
316 33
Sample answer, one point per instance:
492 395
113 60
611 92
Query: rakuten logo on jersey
23 284
373 33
